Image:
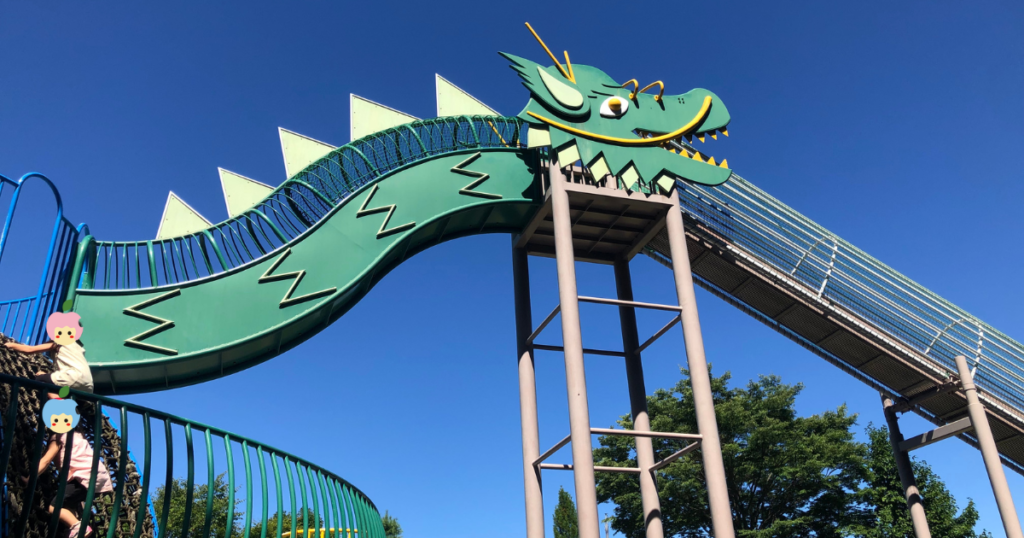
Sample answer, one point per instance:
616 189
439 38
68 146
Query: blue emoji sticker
61 415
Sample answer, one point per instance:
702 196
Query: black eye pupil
59 333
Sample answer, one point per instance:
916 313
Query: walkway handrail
846 276
296 206
344 506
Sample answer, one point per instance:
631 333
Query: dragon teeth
710 160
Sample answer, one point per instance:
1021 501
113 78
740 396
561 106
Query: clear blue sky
898 126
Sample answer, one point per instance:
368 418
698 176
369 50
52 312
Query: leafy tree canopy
176 513
788 476
391 527
884 494
256 531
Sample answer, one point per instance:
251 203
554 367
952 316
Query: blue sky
898 127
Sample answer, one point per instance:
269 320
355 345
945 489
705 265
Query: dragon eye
614 107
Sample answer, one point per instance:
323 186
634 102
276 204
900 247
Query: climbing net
29 432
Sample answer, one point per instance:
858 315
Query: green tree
176 513
256 531
566 521
788 476
391 527
884 493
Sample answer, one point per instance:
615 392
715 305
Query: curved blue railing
23 319
291 209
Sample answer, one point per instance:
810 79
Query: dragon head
620 130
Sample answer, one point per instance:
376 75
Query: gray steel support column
575 375
906 472
989 452
638 402
527 394
700 380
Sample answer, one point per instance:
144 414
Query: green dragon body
359 210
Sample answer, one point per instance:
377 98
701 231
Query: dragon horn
566 74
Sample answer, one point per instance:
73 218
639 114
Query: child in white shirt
64 330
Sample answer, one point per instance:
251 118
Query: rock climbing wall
26 437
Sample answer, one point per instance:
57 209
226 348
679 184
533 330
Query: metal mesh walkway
846 306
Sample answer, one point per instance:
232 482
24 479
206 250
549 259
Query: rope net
21 463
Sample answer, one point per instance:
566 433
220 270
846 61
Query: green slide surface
236 319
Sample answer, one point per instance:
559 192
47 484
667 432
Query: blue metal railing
24 319
291 209
839 273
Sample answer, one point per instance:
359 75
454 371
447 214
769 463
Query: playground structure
568 180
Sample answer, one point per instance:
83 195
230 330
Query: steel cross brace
936 435
598 300
696 438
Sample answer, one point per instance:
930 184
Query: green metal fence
267 484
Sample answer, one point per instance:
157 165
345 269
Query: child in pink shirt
78 477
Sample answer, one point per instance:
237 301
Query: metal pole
906 472
638 402
700 380
989 452
575 375
527 395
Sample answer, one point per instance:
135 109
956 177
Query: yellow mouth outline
657 140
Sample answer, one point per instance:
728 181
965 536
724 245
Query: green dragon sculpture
405 185
585 115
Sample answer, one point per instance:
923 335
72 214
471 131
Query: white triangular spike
179 219
240 192
454 101
367 117
300 151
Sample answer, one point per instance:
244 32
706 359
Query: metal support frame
906 472
976 420
700 379
638 400
528 394
586 350
989 451
675 455
575 375
627 305
638 435
582 465
936 435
